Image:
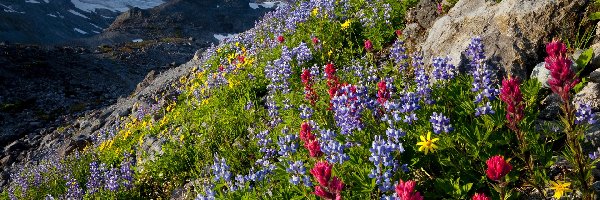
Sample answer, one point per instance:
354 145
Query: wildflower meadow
323 99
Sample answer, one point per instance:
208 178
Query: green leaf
584 59
594 16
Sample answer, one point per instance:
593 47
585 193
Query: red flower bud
322 172
406 190
480 196
497 167
368 45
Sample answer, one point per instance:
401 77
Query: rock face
514 31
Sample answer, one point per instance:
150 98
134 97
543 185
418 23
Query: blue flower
440 123
333 149
298 173
94 182
287 143
442 70
220 170
302 53
584 114
484 78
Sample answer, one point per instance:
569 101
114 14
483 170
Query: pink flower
497 167
382 94
328 188
480 196
280 39
319 191
398 33
322 172
511 95
563 78
314 149
406 191
368 45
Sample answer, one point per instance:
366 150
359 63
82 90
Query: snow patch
268 4
98 27
221 37
114 5
31 1
9 9
80 31
78 14
137 40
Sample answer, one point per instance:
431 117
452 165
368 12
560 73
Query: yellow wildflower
346 24
427 144
560 187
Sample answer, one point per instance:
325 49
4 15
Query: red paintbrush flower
497 167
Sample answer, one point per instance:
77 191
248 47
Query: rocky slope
44 90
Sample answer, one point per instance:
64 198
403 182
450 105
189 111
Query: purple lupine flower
220 170
398 55
584 114
288 144
382 157
302 53
440 123
483 78
94 183
264 142
442 70
209 194
306 112
273 111
333 149
410 103
73 189
298 173
111 178
422 79
348 107
595 155
127 172
484 110
49 197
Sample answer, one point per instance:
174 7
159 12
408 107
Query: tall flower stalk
562 80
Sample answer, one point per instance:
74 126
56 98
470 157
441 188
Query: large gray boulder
514 32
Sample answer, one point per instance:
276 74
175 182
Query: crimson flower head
315 40
314 149
398 32
368 45
305 132
280 39
480 196
511 95
382 94
305 76
322 172
562 77
497 167
406 190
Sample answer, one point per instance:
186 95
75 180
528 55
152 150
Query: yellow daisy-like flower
560 187
427 144
314 12
346 24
